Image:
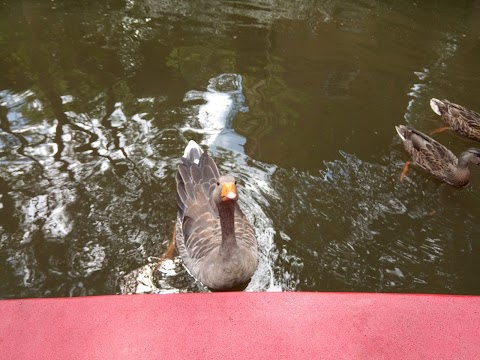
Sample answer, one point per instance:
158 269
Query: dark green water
98 100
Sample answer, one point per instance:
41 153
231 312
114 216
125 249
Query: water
298 100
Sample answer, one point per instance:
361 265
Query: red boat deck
242 326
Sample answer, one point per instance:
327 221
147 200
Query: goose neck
226 212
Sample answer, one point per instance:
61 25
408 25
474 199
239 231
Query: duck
213 237
435 158
465 122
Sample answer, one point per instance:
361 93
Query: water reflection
223 101
298 100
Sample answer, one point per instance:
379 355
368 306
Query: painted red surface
242 326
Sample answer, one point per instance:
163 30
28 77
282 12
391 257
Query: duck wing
461 119
433 150
428 153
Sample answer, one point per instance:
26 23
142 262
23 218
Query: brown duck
214 239
435 158
465 122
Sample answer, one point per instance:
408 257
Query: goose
213 237
435 158
465 122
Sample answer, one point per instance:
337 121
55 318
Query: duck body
465 122
213 237
435 158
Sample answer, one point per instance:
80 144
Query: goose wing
244 230
198 227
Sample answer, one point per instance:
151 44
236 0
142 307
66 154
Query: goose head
225 192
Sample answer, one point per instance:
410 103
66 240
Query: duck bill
229 191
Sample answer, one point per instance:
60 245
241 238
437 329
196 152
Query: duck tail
402 131
193 152
437 106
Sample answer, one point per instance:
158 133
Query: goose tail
193 152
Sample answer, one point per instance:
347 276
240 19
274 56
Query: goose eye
235 182
218 183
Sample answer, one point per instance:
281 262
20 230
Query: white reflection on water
43 163
223 101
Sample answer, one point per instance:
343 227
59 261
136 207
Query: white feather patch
434 106
190 146
398 128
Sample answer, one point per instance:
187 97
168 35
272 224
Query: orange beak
229 191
